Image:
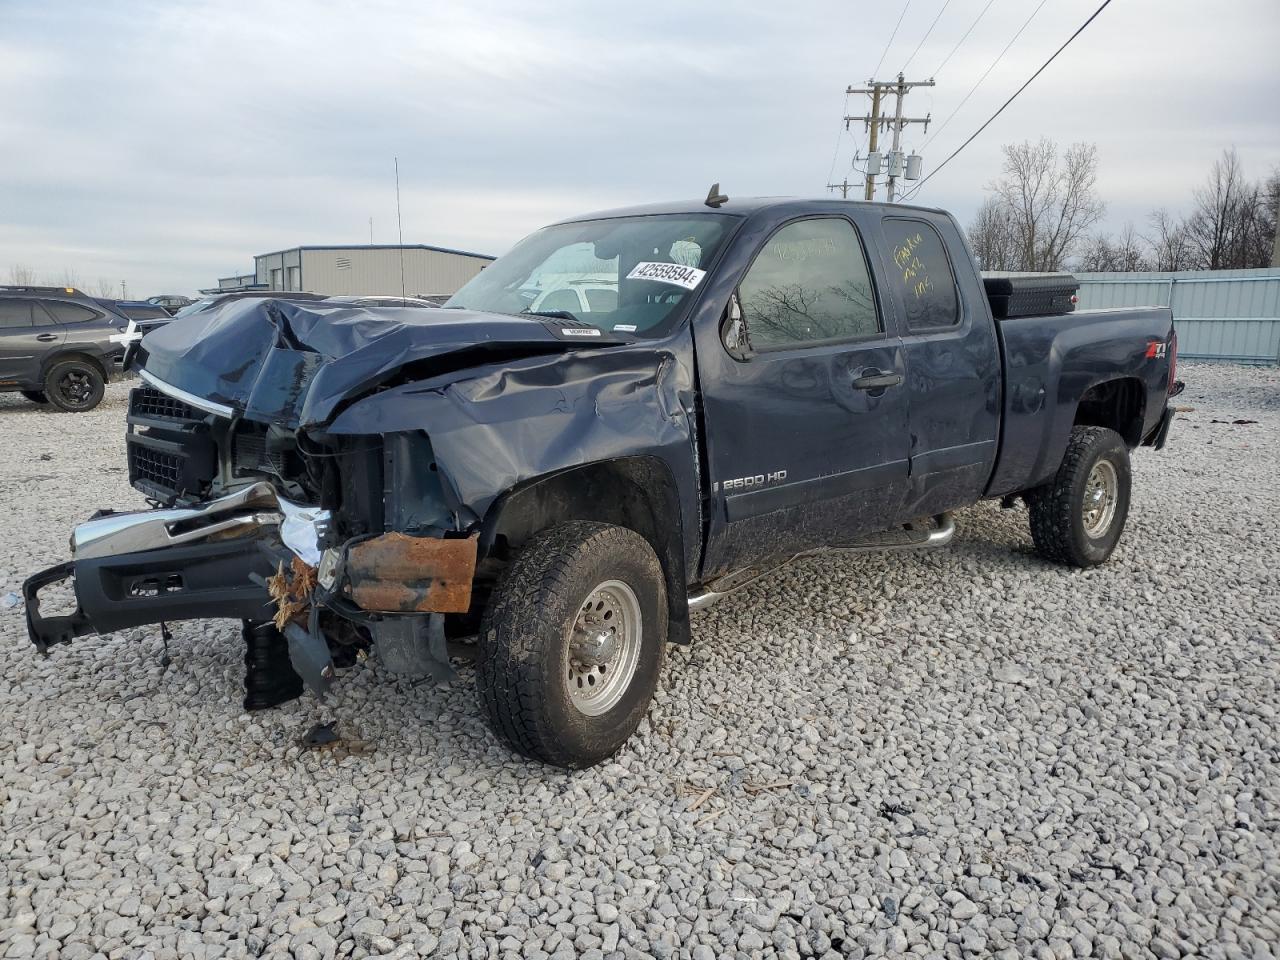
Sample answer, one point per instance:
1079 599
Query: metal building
369 269
1227 315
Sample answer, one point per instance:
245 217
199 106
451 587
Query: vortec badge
676 274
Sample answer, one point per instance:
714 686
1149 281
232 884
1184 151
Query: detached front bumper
132 569
219 559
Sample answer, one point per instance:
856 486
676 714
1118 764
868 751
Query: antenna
715 197
400 226
371 231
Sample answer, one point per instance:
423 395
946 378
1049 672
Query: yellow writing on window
915 276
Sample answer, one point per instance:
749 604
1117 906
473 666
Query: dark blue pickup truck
626 417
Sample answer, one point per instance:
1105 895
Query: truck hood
295 363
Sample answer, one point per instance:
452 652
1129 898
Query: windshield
629 274
194 307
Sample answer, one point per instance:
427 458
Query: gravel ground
965 753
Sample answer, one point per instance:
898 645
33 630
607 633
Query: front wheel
75 385
571 643
1078 516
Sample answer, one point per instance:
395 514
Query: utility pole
874 122
843 187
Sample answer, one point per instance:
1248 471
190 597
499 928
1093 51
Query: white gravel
969 753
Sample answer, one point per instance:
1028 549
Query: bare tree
68 278
1051 202
1124 253
21 275
105 288
1168 242
992 237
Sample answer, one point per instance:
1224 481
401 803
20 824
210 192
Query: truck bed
1050 362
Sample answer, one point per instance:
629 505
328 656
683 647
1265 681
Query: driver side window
809 284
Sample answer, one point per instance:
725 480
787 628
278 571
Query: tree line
21 275
1040 214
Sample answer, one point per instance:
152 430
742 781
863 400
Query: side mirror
733 330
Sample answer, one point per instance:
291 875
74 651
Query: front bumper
132 569
220 558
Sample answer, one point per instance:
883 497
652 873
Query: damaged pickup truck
705 391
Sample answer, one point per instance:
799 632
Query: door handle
46 337
875 380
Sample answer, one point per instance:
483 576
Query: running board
916 538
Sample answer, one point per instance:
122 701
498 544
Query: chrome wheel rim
1101 493
603 648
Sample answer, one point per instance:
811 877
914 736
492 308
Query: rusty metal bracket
397 573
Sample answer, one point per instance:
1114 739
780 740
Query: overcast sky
166 142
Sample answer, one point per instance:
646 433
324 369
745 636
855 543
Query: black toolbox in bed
1030 294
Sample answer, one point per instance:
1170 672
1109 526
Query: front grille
156 468
172 452
149 402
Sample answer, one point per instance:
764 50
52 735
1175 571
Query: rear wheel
35 396
1078 516
571 643
75 385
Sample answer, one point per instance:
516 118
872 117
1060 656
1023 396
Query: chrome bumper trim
208 406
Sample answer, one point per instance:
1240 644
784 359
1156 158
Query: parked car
142 310
578 297
217 300
59 346
386 300
170 302
777 378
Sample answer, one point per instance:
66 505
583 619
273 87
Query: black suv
59 346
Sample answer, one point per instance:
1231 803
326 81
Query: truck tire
74 385
571 643
35 396
1078 516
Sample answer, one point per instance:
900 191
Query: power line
835 154
938 129
926 35
974 136
905 8
961 41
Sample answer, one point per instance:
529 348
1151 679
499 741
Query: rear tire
1078 516
571 643
35 396
75 386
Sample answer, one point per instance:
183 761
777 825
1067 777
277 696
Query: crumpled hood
293 363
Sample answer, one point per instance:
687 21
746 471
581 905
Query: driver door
806 419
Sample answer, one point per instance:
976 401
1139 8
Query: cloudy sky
164 142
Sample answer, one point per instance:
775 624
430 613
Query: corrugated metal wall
1228 315
368 271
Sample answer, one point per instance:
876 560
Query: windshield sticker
624 327
675 274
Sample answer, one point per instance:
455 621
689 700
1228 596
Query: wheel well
1117 404
58 358
638 493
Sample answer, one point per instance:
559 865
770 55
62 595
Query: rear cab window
809 284
921 275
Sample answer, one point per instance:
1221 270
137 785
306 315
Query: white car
578 297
